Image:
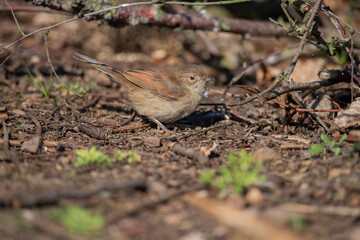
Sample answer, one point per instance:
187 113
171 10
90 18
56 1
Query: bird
162 94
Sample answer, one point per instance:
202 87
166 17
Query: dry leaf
349 117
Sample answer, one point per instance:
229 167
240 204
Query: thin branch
52 67
329 12
241 73
336 23
28 9
15 19
71 20
202 3
119 15
328 78
285 76
318 119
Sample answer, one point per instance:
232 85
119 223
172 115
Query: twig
128 120
56 6
91 132
334 77
285 76
40 197
207 42
29 9
150 203
246 225
293 146
309 110
239 75
131 128
6 136
38 126
91 103
191 153
330 210
46 143
349 52
318 119
329 12
201 3
9 56
234 115
15 19
148 16
52 67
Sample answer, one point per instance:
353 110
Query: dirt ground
304 196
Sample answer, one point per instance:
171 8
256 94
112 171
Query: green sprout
130 156
91 157
298 223
38 83
355 147
79 220
77 88
240 172
328 145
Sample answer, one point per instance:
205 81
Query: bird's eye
192 78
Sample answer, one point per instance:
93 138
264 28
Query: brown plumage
163 94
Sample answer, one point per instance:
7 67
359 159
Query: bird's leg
159 124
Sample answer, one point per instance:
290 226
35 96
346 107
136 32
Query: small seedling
91 157
297 222
38 83
79 220
328 145
130 156
355 147
240 172
77 88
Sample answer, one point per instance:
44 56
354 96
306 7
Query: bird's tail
112 72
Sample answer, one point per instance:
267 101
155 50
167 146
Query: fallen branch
246 225
329 77
149 16
329 210
191 153
17 143
44 197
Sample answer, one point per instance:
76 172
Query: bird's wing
156 83
147 79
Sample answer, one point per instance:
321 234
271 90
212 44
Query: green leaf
337 151
325 139
343 138
240 172
207 176
316 149
91 157
79 220
130 156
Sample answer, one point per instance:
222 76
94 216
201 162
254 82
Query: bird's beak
209 78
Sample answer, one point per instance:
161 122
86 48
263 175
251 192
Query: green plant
355 147
297 222
2 172
38 83
91 157
240 172
328 145
130 156
79 220
75 87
